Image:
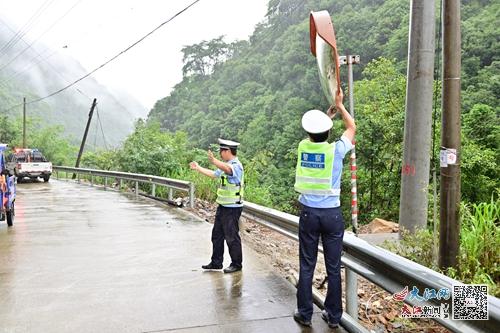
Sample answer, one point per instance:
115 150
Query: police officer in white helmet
230 199
317 179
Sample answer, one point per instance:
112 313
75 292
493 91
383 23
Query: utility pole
24 122
417 130
450 137
91 113
351 278
350 60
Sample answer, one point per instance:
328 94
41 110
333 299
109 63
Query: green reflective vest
313 174
227 193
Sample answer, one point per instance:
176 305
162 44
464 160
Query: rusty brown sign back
324 48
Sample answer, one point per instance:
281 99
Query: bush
479 254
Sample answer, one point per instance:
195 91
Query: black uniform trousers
329 224
226 228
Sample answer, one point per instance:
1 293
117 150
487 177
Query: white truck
29 163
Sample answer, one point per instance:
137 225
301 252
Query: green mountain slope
256 92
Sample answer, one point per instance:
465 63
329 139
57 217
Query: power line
39 55
102 130
27 26
110 60
40 36
95 133
33 62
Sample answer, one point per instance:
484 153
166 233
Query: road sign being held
324 48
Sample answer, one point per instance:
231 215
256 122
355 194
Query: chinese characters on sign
425 311
469 302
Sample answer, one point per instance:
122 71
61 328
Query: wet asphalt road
82 259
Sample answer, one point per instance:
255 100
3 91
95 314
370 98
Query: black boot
211 266
298 318
232 269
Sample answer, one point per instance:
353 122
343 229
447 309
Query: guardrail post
191 195
121 184
136 188
170 193
351 293
91 180
57 175
153 189
78 178
105 182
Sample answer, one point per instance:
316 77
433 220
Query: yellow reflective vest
313 174
228 193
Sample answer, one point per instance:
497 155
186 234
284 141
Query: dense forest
256 91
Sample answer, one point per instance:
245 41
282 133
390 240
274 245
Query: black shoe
326 318
211 266
232 269
298 318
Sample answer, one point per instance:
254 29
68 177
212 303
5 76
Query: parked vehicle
29 163
7 189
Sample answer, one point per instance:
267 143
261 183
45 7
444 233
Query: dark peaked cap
228 144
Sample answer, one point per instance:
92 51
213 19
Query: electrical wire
95 133
110 60
26 27
102 130
30 65
41 35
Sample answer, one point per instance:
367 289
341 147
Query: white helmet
227 144
316 121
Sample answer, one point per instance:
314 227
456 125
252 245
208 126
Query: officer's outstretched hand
211 157
194 166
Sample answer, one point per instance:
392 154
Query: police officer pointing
230 199
317 179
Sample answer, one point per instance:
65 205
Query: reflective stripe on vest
227 193
313 174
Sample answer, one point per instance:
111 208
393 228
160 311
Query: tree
202 58
8 130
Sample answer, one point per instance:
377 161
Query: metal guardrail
171 184
384 268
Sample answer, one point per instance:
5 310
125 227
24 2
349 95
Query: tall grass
479 253
479 257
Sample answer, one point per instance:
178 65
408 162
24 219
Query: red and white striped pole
354 190
350 60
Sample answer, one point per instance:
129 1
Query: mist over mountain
38 71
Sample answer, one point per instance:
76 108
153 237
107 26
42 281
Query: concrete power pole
450 137
24 122
82 145
417 133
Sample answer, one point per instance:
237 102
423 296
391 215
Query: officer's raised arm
204 171
225 167
350 125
